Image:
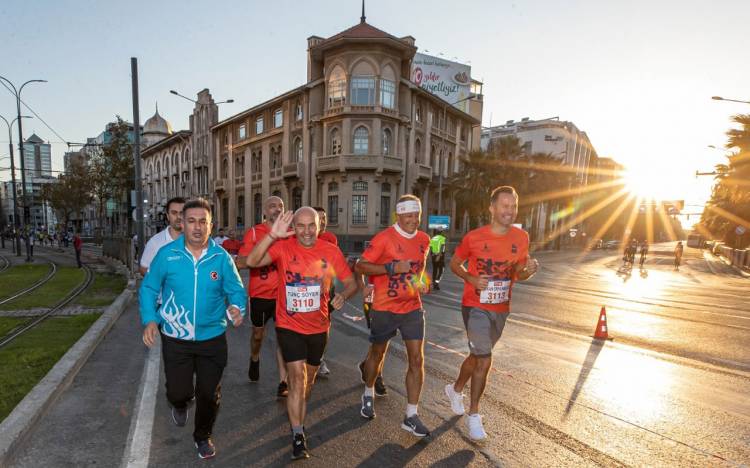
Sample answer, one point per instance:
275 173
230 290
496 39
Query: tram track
35 285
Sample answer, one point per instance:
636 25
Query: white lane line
138 449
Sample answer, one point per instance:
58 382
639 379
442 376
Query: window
418 114
297 150
257 209
257 161
432 157
278 118
335 146
361 141
298 111
296 198
418 151
388 94
240 212
387 142
224 212
451 163
275 158
363 91
336 87
359 186
385 210
239 166
224 168
242 132
259 125
333 203
359 209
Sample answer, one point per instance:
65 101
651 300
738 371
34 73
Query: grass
51 292
25 361
20 276
103 291
9 323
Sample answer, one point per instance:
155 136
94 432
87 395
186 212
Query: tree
71 193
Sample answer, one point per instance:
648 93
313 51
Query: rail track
37 284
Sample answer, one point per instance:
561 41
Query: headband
408 206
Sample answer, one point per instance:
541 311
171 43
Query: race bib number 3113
495 293
303 298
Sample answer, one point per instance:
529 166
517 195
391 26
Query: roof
260 106
161 144
363 31
34 139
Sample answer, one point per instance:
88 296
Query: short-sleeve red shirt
494 255
264 280
398 293
232 246
299 268
329 237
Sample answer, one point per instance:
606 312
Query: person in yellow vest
437 255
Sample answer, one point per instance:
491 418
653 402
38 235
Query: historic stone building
353 138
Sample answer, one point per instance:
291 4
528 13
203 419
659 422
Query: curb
24 417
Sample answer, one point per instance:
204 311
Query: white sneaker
474 424
456 399
323 368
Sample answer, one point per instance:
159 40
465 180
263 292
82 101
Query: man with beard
162 238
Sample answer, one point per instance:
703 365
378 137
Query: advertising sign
450 81
438 222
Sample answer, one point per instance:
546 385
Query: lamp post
17 93
16 224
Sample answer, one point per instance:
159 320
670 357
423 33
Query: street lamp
228 101
719 98
17 93
16 225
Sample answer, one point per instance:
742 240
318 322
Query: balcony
220 185
347 162
329 163
424 172
391 164
292 170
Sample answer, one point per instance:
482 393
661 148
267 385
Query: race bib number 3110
303 298
495 293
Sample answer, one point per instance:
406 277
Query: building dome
157 125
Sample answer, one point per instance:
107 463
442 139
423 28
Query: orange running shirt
495 256
304 283
398 293
264 280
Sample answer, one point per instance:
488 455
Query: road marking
532 317
137 451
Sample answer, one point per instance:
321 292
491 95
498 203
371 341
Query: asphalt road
669 390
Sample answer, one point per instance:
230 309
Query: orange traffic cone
601 327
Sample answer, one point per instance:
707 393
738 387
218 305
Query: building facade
353 138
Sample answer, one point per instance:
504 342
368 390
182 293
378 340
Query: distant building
37 157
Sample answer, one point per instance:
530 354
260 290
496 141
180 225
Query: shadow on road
594 349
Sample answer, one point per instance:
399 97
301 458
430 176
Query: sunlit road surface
671 388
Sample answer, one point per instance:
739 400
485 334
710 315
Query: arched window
224 168
361 141
333 187
276 193
385 204
257 209
362 92
336 87
335 142
359 186
388 88
418 151
387 143
298 111
296 198
333 203
297 150
239 166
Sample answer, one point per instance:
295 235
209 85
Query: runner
497 256
232 245
437 255
328 237
162 238
307 268
368 294
395 259
644 252
678 255
198 279
262 290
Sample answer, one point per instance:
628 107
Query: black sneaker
206 448
380 389
414 425
361 367
368 408
299 447
283 390
253 373
437 286
180 416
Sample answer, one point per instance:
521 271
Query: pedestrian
327 236
77 245
437 255
169 234
306 266
262 289
497 256
219 239
678 255
198 279
31 239
395 260
232 245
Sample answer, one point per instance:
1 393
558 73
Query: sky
636 75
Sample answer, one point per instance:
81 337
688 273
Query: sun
652 183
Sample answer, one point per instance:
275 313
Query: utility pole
137 155
16 222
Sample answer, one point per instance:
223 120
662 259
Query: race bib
303 298
496 292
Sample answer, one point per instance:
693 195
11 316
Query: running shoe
437 286
475 427
206 448
380 389
180 416
323 370
456 399
283 390
368 407
253 373
414 425
299 447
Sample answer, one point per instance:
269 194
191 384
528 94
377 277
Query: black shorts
298 347
384 325
261 310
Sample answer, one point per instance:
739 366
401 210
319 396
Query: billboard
447 80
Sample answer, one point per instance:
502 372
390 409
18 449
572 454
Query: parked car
611 245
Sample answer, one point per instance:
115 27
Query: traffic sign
438 222
740 230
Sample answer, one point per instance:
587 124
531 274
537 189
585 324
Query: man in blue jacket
197 279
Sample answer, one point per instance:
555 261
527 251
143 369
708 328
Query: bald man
307 268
